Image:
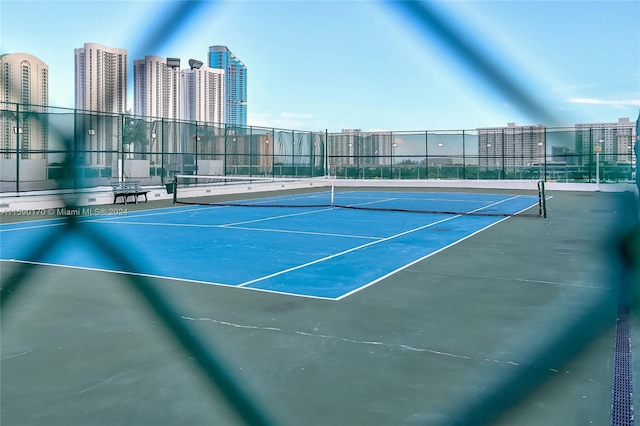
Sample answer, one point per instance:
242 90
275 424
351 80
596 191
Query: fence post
544 146
464 158
163 170
273 152
502 162
293 153
18 130
590 151
195 150
392 145
326 152
224 152
122 125
250 151
426 152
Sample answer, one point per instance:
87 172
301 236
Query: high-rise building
354 147
512 145
24 80
157 87
203 95
343 147
163 90
189 102
101 78
101 90
614 139
220 57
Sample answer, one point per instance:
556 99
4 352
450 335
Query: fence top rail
13 107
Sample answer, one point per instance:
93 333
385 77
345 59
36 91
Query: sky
370 65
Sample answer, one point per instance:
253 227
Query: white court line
342 253
428 199
433 253
164 277
22 228
417 260
322 234
170 210
263 219
525 280
114 271
64 221
345 252
225 226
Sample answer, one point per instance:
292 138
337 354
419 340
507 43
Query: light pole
152 158
266 143
493 158
544 159
393 145
597 149
18 131
195 149
235 151
293 153
439 156
313 154
350 161
91 133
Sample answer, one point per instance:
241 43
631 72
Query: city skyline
334 65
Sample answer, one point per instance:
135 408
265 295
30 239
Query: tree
134 135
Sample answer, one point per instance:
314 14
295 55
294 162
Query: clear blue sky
369 65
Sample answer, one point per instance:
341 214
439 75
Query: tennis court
405 318
322 252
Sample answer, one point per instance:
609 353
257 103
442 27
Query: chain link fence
108 147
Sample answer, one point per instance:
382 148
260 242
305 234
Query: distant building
512 145
354 147
24 80
101 88
562 155
377 149
220 57
343 147
614 139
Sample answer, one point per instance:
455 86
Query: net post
175 190
542 199
333 186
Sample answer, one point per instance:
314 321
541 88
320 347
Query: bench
128 189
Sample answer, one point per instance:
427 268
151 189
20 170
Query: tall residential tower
101 89
513 145
24 79
156 87
101 78
220 57
614 139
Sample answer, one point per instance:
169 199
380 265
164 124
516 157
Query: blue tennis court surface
318 252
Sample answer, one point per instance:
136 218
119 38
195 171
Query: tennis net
373 195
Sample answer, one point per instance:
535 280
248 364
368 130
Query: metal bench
128 189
